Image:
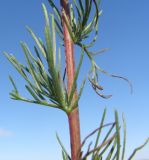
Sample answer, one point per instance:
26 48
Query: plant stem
73 117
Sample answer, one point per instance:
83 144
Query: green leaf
37 41
65 157
63 148
102 145
117 135
51 58
54 40
86 13
59 61
19 67
99 132
79 11
72 18
59 29
68 26
31 66
138 149
49 54
124 140
75 104
13 83
75 79
32 93
55 9
111 152
105 139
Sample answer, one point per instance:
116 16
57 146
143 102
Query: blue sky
27 131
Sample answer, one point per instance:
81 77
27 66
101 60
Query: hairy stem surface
73 117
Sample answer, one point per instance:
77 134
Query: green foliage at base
107 146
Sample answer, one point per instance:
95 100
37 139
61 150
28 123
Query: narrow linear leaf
111 152
93 132
32 93
117 135
63 148
31 66
37 41
68 26
13 83
54 40
100 146
107 136
99 132
79 95
75 79
124 139
55 9
138 149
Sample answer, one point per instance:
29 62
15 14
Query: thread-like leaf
37 41
14 85
32 93
75 104
75 79
54 40
62 146
111 152
31 66
55 9
117 135
68 26
124 139
99 147
107 136
95 131
138 149
99 132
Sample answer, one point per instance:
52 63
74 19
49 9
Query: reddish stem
73 117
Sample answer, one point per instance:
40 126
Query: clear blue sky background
27 132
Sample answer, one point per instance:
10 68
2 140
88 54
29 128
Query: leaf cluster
46 86
82 24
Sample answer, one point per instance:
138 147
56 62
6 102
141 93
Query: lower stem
74 128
